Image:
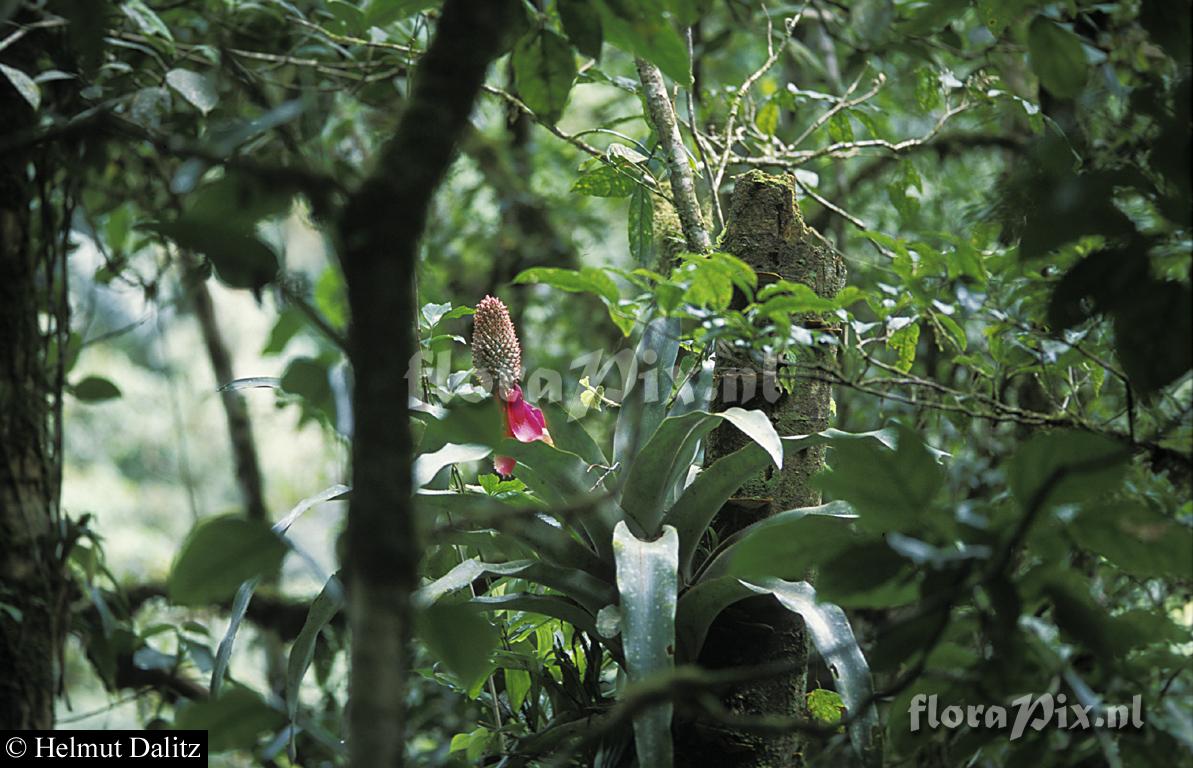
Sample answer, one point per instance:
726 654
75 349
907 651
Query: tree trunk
379 237
32 281
766 230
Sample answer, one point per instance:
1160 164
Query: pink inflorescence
495 349
497 356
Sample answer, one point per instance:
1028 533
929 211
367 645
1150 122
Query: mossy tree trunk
765 229
34 320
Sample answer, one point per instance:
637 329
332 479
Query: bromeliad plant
610 546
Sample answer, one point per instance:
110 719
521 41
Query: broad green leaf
196 88
582 23
585 280
146 19
569 435
664 460
767 117
235 720
890 490
240 259
606 179
833 637
523 524
904 342
1057 57
696 508
1064 467
645 388
517 685
325 606
544 69
95 389
647 585
641 28
218 555
1137 538
308 378
640 226
561 608
787 544
461 639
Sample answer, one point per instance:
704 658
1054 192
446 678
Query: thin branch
683 189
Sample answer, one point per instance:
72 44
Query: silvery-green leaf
198 89
428 465
647 585
24 85
461 576
756 425
336 492
833 637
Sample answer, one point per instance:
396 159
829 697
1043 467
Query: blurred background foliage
1008 183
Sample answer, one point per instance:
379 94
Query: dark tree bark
32 282
765 229
379 236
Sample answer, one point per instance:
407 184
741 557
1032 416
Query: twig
683 189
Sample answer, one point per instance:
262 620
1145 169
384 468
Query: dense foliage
1007 499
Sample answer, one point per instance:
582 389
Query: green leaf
640 226
891 490
606 179
1137 538
94 389
825 706
664 460
544 70
700 502
954 332
325 606
1066 467
787 544
839 128
145 19
648 585
427 465
645 387
197 89
1057 57
24 85
585 280
767 117
517 685
582 23
218 555
642 28
307 378
461 576
460 638
904 342
235 720
241 260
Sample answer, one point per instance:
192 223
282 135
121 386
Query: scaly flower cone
497 356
